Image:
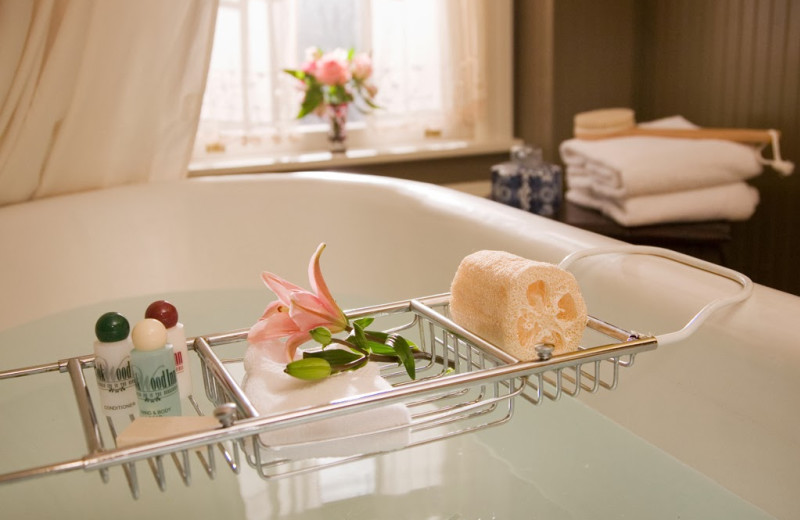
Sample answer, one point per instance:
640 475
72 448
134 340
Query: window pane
427 66
328 24
408 55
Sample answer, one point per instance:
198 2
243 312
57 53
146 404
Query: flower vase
337 133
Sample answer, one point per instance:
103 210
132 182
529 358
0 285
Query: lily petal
320 288
277 325
295 313
294 341
282 288
309 312
272 308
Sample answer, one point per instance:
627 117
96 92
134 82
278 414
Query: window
442 68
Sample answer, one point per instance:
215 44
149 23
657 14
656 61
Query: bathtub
703 428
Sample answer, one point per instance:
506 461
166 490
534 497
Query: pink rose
309 67
362 66
332 68
313 54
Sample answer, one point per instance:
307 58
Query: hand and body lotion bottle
153 363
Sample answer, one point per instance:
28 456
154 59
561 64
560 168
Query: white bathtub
716 413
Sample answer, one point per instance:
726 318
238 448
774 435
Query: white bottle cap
149 334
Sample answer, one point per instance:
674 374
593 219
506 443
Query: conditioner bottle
112 366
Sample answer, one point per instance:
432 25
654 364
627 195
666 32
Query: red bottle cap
164 312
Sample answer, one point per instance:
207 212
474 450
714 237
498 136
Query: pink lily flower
295 313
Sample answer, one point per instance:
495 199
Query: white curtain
96 93
430 62
465 42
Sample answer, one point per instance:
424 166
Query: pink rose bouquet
335 79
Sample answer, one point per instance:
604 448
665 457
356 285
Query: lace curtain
99 93
429 66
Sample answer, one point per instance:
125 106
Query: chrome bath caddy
463 384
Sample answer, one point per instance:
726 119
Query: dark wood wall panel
733 63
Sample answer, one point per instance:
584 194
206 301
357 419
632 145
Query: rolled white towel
627 167
272 391
732 202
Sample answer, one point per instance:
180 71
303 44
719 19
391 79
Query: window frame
307 148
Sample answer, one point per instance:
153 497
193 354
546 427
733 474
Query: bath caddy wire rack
463 384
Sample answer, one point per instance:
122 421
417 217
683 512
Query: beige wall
570 56
734 63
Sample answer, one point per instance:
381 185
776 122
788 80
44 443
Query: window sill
353 157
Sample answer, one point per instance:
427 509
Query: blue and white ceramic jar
527 182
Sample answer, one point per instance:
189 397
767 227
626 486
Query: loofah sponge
517 303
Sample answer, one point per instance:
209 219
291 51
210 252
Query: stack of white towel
651 180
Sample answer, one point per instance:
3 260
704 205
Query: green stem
350 345
367 356
353 365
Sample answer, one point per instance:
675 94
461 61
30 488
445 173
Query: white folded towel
272 391
734 202
634 166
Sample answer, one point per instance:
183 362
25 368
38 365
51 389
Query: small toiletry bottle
153 364
167 314
112 365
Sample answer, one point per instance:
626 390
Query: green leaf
365 97
364 322
359 338
309 369
350 53
377 335
334 356
372 346
321 335
338 95
380 348
403 350
312 100
369 102
299 74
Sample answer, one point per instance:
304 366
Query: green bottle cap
111 327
